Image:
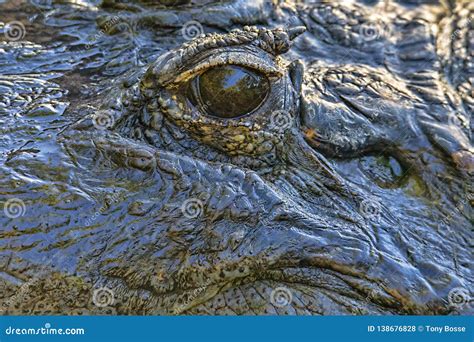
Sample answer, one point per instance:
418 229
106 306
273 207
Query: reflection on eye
230 91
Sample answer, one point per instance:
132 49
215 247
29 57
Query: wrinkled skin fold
345 189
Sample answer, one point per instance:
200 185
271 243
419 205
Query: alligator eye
230 91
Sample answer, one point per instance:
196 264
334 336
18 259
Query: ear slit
296 75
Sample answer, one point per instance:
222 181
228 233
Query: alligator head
241 214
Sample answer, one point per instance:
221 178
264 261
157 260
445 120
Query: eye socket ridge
244 57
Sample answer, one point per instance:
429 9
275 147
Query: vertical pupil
231 91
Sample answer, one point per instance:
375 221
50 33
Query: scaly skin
282 194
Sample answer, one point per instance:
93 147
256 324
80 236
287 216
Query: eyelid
236 57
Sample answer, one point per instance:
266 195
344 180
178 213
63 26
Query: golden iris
231 91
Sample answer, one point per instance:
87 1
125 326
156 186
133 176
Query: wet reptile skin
349 188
